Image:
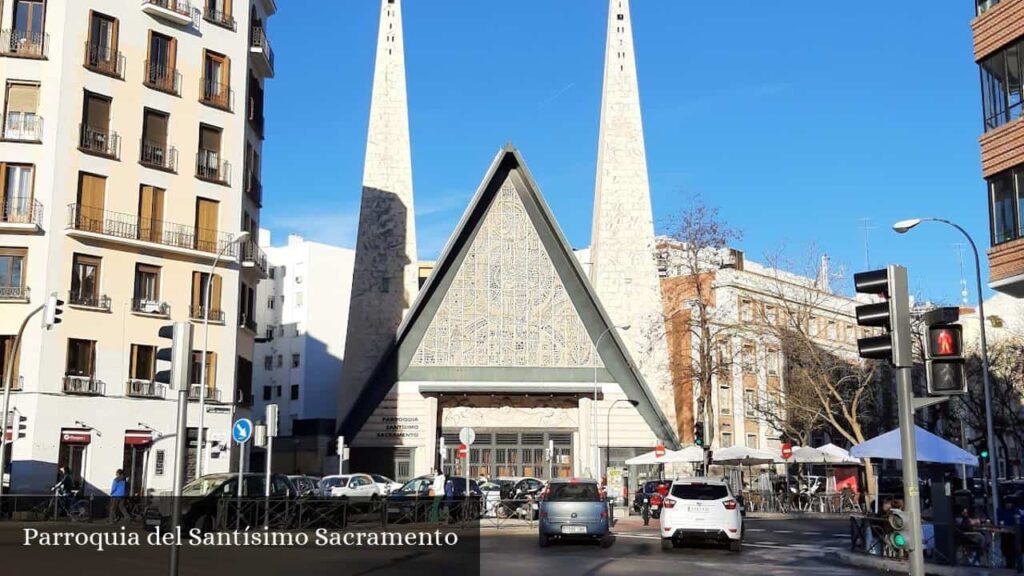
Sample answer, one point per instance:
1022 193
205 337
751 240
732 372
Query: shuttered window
22 98
206 224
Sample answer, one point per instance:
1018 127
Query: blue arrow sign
242 430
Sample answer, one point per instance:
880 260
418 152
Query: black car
413 501
201 498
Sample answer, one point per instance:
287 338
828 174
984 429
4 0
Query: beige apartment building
130 156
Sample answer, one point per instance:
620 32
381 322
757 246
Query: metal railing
134 227
24 43
138 388
248 322
210 167
151 306
258 39
219 18
256 119
14 292
196 313
97 301
18 384
104 59
212 393
160 77
23 126
20 210
179 6
85 385
216 94
254 188
158 155
102 141
251 252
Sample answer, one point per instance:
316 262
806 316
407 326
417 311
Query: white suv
701 509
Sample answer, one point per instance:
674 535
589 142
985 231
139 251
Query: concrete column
583 455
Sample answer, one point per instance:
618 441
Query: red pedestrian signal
944 341
944 352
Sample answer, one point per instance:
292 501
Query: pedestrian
437 493
118 491
449 498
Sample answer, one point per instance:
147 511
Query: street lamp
206 342
608 426
593 409
904 226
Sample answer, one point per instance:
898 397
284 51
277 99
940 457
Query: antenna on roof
865 224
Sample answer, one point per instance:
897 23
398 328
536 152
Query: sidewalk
901 567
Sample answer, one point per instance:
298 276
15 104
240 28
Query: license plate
574 529
698 509
655 507
152 521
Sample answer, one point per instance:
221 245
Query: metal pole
180 454
912 500
241 479
8 383
595 449
270 451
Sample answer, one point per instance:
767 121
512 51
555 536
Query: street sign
659 450
787 451
463 451
242 430
467 436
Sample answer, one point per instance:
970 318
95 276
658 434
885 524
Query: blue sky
797 119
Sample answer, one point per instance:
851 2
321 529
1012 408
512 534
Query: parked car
306 485
649 492
359 486
574 509
519 496
386 485
413 499
701 509
200 499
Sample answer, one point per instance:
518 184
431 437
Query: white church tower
384 281
624 271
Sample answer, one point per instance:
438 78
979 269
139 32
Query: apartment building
302 314
131 150
748 302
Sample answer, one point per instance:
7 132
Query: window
142 365
726 439
158 463
771 315
831 332
216 80
299 299
96 136
985 5
160 66
89 212
208 162
6 348
272 269
277 391
154 149
280 360
28 35
21 120
270 303
266 392
151 214
81 360
85 280
771 357
270 333
1001 86
747 358
750 403
206 224
252 174
247 306
1005 205
101 52
725 400
199 282
295 360
12 273
219 12
268 362
147 289
746 310
723 361
295 392
751 440
211 370
254 105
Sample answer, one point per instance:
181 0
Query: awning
841 454
738 455
930 448
138 437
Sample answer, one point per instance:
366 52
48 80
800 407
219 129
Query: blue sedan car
574 509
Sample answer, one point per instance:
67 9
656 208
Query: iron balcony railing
179 6
101 141
216 94
219 18
23 126
159 76
89 300
248 322
196 313
158 155
84 385
254 188
258 39
24 43
212 393
151 306
256 117
14 292
20 210
210 167
138 388
252 253
104 59
134 227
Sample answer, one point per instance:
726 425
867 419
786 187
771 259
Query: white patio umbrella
842 455
808 455
739 455
689 454
930 448
648 458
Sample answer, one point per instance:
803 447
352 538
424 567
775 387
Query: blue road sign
242 430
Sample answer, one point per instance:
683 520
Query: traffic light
892 315
698 434
52 312
179 355
22 426
944 357
898 523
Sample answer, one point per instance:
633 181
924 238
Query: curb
902 567
796 516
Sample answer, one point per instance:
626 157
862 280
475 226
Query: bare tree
1006 362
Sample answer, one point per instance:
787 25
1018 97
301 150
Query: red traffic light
945 341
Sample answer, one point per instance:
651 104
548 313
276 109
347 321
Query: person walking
62 490
437 492
118 491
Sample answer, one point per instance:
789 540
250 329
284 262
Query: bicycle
63 504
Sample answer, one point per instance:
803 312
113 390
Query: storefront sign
75 436
137 437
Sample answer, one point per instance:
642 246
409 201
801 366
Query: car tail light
604 513
729 504
669 503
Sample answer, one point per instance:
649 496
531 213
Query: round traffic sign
242 430
467 436
462 452
659 450
787 451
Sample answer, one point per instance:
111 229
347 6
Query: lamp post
593 409
206 343
608 426
904 226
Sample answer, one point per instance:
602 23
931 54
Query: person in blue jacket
118 491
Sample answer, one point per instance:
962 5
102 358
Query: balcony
260 52
158 155
85 221
159 76
254 188
92 301
23 127
211 168
253 256
135 388
104 60
212 393
248 322
83 385
151 307
14 293
24 44
17 386
215 94
175 11
99 141
222 19
196 313
20 215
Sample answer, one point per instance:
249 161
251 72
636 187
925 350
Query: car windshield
414 485
329 483
379 479
574 492
697 491
203 486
